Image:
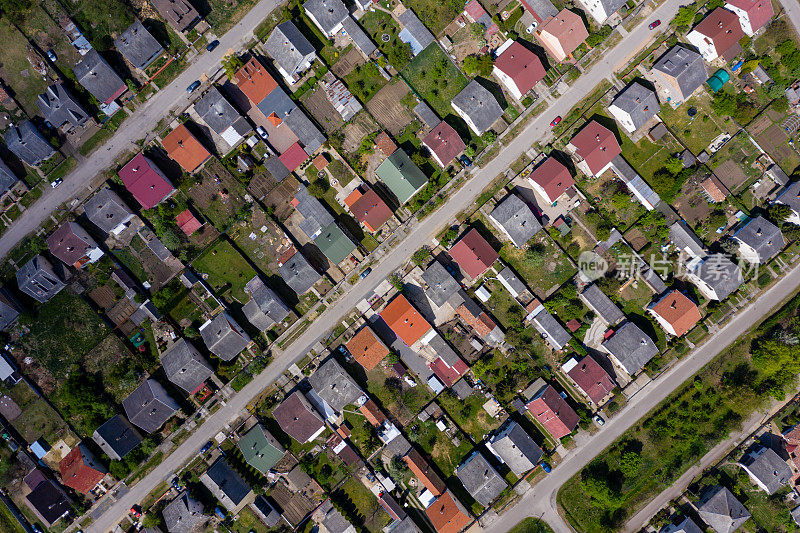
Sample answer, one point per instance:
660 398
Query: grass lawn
228 271
378 23
647 157
40 420
435 14
542 272
501 302
439 447
403 404
131 262
364 81
531 525
106 131
224 15
259 249
247 523
469 414
435 78
8 523
696 134
361 506
16 69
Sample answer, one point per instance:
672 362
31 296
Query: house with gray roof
759 240
298 273
9 310
515 286
10 184
330 520
603 307
117 437
276 168
515 448
601 10
441 285
25 142
681 71
328 15
265 308
333 389
686 241
426 114
215 110
777 175
687 525
227 486
149 406
634 106
315 216
137 46
413 32
636 185
224 337
478 107
108 212
715 276
97 77
515 219
38 279
630 348
480 479
766 469
309 136
180 14
290 50
720 509
540 9
549 328
265 511
185 366
790 196
60 108
183 514
359 37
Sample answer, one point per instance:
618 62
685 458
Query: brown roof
444 141
722 27
592 379
423 471
482 324
473 254
568 28
367 348
714 188
185 149
320 161
370 210
521 65
447 515
596 145
677 309
385 144
297 418
77 470
553 177
372 413
68 244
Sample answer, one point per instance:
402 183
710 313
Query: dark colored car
213 44
365 273
655 24
193 87
546 467
206 447
465 161
555 121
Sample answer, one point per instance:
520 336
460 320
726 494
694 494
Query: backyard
435 79
543 266
469 414
696 132
228 271
360 506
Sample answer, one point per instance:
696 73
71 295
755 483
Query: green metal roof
334 244
401 175
260 449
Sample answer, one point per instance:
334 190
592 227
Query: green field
435 78
228 271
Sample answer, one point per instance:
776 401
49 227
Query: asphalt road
140 123
792 8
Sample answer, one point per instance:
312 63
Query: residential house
634 106
298 418
413 32
319 225
260 449
549 328
480 479
447 365
636 185
108 212
97 77
265 308
682 72
717 35
603 307
184 514
265 511
630 348
473 254
767 469
425 114
145 181
297 272
441 287
11 187
687 525
476 14
777 175
9 313
447 514
476 105
333 389
550 409
515 219
327 15
330 520
551 179
592 380
753 14
80 470
340 96
720 509
406 322
595 146
443 143
224 337
184 148
368 208
601 10
180 14
137 46
685 240
517 68
562 34
187 222
540 9
221 117
424 473
290 50
759 240
480 322
402 177
675 312
515 448
116 437
791 196
514 285
38 279
61 109
24 141
366 348
73 246
149 406
715 276
359 37
48 501
185 366
227 486
713 189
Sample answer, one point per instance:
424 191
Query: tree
630 463
599 490
674 165
724 103
778 213
231 63
169 238
685 16
489 137
319 187
477 65
421 256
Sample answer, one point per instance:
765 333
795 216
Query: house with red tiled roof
366 348
552 411
185 149
444 143
562 34
293 157
594 147
675 312
592 380
717 35
254 80
447 514
368 208
405 321
424 473
187 222
714 189
517 68
551 179
80 470
753 14
372 413
385 143
145 181
473 254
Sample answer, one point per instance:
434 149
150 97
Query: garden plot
260 239
734 164
698 132
318 106
219 196
435 79
359 127
769 133
543 266
226 269
388 109
349 60
16 69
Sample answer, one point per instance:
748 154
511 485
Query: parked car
465 161
51 56
655 24
546 467
136 511
206 447
365 273
599 420
555 121
56 182
193 87
213 44
262 132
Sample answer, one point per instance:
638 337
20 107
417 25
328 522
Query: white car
599 420
262 132
56 183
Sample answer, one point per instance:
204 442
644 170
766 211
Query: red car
136 511
555 121
655 24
